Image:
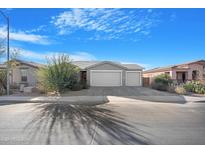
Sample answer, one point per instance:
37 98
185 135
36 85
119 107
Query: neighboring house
181 73
23 73
109 74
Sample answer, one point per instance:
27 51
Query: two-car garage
111 78
109 74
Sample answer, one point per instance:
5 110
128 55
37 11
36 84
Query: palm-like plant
59 74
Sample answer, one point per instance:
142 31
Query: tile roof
86 64
32 64
171 66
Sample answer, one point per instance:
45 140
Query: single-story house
94 73
109 74
23 73
194 70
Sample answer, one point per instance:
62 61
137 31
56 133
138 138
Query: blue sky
150 37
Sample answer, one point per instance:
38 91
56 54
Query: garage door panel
103 78
133 78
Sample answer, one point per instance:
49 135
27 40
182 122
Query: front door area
182 77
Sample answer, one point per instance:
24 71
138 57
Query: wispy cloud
41 56
24 37
106 23
38 29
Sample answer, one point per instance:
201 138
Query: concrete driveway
117 122
118 91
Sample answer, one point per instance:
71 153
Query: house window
24 75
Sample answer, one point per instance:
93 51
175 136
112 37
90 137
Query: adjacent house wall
191 67
173 72
31 75
197 67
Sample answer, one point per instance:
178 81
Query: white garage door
106 78
133 78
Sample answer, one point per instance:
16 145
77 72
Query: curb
75 100
96 100
163 99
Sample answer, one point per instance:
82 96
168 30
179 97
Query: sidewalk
95 100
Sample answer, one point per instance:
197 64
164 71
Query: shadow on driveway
77 124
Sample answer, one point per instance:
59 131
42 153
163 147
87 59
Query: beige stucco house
109 73
23 73
181 73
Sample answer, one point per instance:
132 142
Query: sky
149 37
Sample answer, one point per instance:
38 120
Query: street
124 122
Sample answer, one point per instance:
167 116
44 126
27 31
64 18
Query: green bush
189 86
195 87
161 82
58 75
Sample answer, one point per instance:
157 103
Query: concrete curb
168 99
95 100
77 100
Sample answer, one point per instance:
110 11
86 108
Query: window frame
24 76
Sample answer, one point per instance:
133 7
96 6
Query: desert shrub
59 74
189 86
161 82
180 90
171 88
195 87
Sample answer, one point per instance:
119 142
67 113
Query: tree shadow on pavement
56 123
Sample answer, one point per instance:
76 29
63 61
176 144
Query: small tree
59 74
12 63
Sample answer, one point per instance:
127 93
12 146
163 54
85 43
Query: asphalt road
139 122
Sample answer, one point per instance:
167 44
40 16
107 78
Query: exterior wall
198 68
154 74
31 75
173 73
109 67
191 67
